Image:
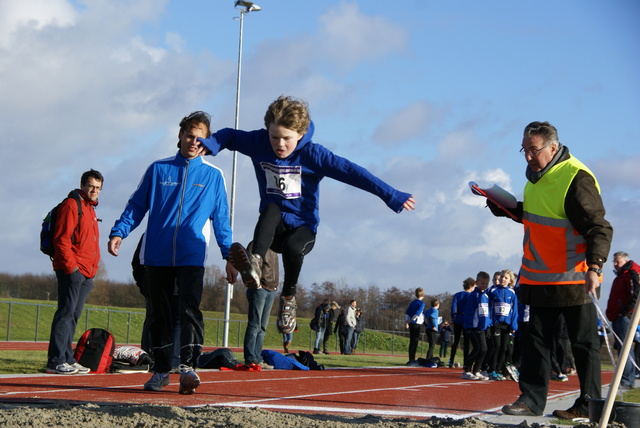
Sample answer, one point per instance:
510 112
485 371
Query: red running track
385 391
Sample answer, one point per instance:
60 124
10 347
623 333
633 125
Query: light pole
244 7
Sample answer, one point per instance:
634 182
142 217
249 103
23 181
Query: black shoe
519 408
316 351
570 414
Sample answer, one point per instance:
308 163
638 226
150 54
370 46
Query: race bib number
502 309
285 181
483 309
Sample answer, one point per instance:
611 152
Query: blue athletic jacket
476 310
184 198
293 183
457 306
415 312
504 306
431 316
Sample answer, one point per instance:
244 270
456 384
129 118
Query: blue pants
73 290
319 337
347 340
260 303
620 327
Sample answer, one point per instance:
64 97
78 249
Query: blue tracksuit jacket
184 198
293 183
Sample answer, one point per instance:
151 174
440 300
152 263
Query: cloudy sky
427 95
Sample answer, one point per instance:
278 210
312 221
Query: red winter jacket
85 254
624 291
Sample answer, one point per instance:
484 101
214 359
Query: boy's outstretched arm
410 204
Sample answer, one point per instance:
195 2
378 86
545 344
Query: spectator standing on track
76 259
333 316
445 338
476 321
414 318
357 331
431 326
350 326
503 305
567 242
289 167
620 306
457 312
184 197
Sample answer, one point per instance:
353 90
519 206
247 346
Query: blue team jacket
457 306
504 306
184 198
476 310
293 183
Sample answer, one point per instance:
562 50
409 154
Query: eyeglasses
98 188
532 152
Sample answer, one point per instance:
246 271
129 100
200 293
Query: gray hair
547 131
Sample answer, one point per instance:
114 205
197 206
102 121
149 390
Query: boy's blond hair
290 113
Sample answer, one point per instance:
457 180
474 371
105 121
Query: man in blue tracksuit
288 168
185 196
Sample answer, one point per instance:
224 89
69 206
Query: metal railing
18 318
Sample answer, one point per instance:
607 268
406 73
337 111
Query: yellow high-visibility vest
554 251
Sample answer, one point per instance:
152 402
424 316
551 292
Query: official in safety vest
566 242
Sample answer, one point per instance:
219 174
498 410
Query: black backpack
49 226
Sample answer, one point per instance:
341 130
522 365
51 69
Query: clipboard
496 194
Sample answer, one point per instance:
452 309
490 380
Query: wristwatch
597 270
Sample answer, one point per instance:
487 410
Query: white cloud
33 15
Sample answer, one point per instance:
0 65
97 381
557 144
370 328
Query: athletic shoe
157 381
249 265
469 376
559 377
63 368
519 408
81 369
286 322
265 366
570 414
485 373
189 380
513 372
480 376
495 376
269 270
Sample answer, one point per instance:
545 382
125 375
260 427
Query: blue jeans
347 340
620 327
355 340
319 337
260 303
73 290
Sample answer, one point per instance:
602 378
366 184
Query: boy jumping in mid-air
288 168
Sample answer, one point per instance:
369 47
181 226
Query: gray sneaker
81 369
63 368
189 380
157 381
249 265
286 321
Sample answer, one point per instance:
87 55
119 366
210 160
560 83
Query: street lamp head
248 6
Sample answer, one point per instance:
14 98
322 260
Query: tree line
383 309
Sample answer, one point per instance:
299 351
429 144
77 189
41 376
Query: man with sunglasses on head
566 242
185 197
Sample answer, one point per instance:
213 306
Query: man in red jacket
622 301
75 262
